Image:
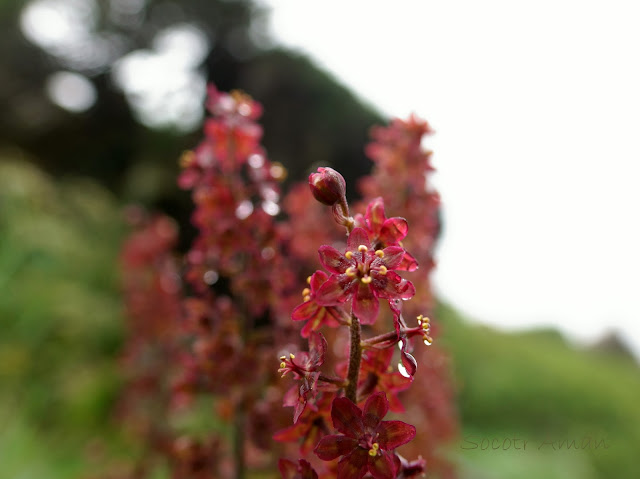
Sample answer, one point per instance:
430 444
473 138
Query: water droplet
210 277
403 370
244 209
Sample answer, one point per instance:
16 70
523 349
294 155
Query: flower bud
328 186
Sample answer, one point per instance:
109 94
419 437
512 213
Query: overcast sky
536 107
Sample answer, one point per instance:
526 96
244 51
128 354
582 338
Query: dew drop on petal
244 209
403 370
210 277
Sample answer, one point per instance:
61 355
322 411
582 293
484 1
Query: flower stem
355 356
238 443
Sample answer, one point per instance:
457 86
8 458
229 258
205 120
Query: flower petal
383 466
347 417
393 256
365 304
288 469
358 237
409 263
375 409
333 260
317 349
375 214
392 434
393 230
392 286
306 310
354 465
334 446
335 290
317 279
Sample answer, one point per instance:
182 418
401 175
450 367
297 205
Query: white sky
536 107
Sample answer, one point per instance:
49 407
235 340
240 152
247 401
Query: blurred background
535 112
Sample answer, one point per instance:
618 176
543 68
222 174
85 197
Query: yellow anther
282 358
283 365
308 279
291 356
380 253
351 271
306 298
374 449
366 279
428 341
382 270
348 255
362 248
306 292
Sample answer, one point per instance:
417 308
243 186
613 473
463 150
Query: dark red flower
367 442
362 274
385 231
311 426
310 310
301 470
305 367
377 375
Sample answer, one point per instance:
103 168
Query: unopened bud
328 186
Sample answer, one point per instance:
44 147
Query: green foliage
536 387
60 317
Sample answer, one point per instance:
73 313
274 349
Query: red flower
305 367
377 375
363 274
315 314
312 425
367 442
385 231
291 470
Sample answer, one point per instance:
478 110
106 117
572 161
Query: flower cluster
216 320
359 279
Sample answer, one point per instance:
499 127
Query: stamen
348 255
282 358
291 356
380 253
366 279
306 292
382 270
283 365
362 248
374 449
351 272
308 279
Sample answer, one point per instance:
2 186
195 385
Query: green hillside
578 409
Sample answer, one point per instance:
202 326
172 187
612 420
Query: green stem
355 356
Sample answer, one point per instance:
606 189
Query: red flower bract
367 442
363 274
